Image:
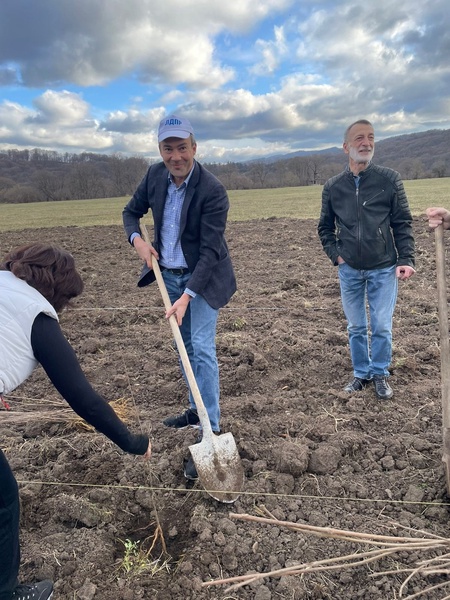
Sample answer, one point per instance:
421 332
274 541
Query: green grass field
295 202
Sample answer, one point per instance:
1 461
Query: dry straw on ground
58 412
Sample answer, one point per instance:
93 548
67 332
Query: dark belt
177 271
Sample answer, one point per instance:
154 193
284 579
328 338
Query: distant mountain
327 151
40 175
429 147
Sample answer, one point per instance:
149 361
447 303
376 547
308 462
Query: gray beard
354 155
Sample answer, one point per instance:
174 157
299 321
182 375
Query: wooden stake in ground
445 353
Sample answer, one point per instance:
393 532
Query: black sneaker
382 389
356 385
188 419
34 591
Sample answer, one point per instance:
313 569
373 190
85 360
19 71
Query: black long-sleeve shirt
57 357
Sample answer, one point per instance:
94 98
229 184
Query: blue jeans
198 331
378 288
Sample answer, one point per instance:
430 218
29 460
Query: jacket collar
361 173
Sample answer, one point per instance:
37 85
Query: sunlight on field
293 203
423 193
78 213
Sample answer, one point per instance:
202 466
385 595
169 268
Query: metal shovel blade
219 466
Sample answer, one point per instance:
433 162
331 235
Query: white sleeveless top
19 306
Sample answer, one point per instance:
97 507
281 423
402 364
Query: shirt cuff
133 235
190 293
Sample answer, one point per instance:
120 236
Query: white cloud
133 121
91 42
272 53
254 77
61 108
60 119
12 115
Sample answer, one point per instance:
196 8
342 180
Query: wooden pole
201 409
444 346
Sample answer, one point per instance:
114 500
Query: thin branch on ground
386 546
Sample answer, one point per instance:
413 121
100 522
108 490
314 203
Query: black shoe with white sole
33 591
356 385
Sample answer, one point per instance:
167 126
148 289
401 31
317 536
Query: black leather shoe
356 385
188 419
190 472
382 389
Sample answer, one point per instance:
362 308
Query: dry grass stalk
60 413
386 546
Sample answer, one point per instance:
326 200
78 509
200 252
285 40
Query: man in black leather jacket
365 227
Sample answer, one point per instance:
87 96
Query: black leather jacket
370 227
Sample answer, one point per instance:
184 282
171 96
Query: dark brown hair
49 269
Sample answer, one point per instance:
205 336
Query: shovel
444 347
216 457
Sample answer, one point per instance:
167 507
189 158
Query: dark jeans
9 530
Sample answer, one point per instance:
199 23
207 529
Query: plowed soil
105 525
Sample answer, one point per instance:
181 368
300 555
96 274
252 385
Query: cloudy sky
255 77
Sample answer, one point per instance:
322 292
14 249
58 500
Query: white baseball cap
173 126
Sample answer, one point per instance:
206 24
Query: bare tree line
45 176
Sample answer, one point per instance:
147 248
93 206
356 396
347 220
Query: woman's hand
148 454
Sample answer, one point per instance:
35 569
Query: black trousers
9 530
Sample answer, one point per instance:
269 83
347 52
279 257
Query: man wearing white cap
189 206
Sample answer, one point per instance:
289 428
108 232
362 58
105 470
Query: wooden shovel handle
444 348
443 321
201 410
